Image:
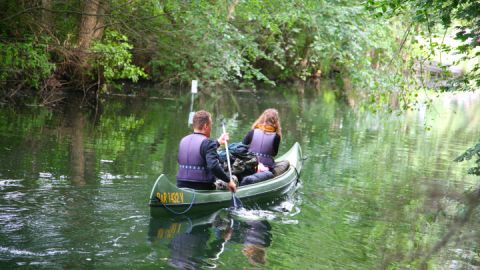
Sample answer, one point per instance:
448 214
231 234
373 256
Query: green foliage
270 41
198 41
306 37
113 57
461 16
24 61
218 42
239 42
467 155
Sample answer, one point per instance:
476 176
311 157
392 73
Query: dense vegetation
436 20
370 48
86 45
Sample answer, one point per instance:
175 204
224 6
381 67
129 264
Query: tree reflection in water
472 201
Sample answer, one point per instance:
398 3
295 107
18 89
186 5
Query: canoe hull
166 198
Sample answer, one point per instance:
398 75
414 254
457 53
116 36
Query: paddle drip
236 203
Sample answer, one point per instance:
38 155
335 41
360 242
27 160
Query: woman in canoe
264 138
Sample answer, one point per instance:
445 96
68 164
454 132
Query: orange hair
269 120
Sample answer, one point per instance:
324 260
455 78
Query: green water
377 191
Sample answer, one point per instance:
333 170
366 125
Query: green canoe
167 198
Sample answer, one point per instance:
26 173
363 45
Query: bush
26 62
112 56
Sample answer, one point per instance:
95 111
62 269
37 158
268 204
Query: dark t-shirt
208 150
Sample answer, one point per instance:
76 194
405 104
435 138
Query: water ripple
26 253
14 196
6 183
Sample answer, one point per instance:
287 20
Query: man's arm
208 149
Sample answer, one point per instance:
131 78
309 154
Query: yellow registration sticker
170 197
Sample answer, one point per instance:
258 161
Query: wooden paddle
235 203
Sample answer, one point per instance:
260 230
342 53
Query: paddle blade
236 203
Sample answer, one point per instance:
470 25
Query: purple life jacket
192 166
262 146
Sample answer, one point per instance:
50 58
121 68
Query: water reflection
198 242
379 191
256 237
77 120
459 258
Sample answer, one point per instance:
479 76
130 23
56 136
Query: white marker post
194 91
194 86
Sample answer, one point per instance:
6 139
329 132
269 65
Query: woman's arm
276 144
248 138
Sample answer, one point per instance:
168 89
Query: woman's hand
262 168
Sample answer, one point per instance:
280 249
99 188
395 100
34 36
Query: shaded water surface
378 191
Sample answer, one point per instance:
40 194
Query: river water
378 191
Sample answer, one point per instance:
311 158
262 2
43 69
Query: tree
424 15
467 155
96 42
91 26
464 18
48 45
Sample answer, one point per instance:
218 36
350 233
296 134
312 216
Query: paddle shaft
235 201
228 154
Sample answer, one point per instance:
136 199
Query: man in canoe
198 160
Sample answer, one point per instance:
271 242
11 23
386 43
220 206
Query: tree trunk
88 24
91 28
169 16
304 54
375 58
100 26
47 16
231 10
